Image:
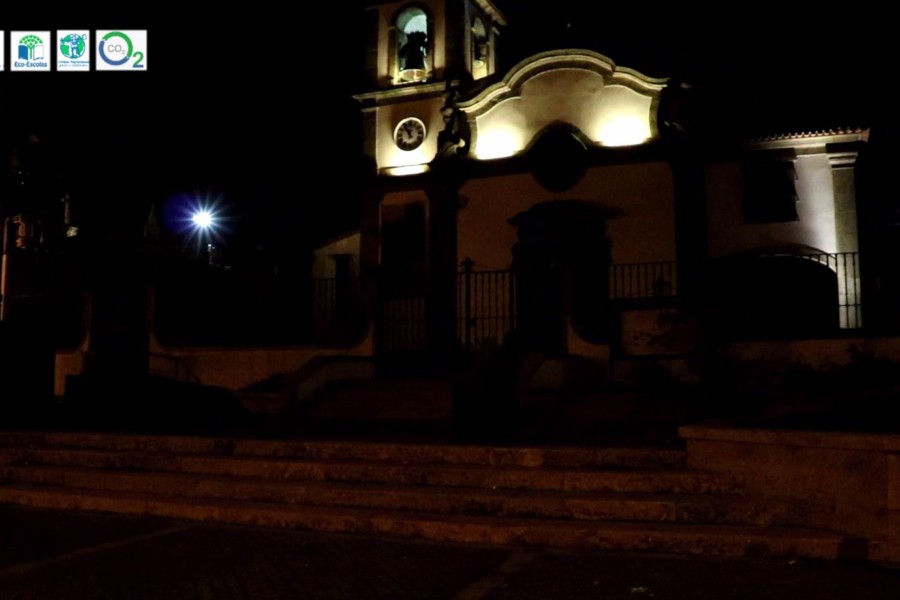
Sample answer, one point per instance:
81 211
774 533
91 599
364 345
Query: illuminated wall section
815 206
815 227
620 117
611 107
824 222
503 131
826 199
387 154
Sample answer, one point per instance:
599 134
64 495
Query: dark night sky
256 105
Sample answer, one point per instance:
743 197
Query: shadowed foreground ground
53 555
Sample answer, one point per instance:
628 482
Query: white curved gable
610 107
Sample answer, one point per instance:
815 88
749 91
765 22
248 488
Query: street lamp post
204 222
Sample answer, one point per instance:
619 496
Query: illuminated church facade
565 208
562 199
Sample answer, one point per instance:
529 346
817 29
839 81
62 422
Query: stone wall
847 482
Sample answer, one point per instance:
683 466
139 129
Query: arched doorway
561 261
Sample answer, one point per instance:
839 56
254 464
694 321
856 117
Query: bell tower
414 48
416 41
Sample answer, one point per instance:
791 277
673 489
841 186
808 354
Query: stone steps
369 451
608 498
479 476
652 507
724 540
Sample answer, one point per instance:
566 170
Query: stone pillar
691 227
455 32
369 245
847 236
370 133
440 303
371 30
842 164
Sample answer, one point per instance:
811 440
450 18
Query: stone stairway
629 499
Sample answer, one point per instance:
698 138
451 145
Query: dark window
769 195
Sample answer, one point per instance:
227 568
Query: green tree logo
31 45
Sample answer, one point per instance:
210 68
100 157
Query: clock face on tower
409 134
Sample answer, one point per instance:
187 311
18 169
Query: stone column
691 226
370 243
440 302
842 164
846 233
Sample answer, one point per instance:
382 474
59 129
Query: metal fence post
468 266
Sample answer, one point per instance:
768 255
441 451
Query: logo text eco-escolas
30 50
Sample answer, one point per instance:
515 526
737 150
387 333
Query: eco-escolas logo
72 50
124 50
30 51
31 47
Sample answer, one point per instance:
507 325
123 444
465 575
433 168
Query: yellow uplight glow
624 131
407 170
499 142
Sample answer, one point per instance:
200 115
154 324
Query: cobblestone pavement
62 556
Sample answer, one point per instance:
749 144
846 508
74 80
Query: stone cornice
810 140
401 94
843 159
492 11
511 84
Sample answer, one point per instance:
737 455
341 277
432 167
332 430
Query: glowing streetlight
203 219
206 223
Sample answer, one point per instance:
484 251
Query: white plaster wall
234 368
815 208
323 266
387 154
608 115
230 368
618 115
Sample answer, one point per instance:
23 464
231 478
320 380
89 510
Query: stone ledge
809 439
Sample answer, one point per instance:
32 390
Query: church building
563 200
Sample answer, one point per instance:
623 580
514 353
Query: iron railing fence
486 298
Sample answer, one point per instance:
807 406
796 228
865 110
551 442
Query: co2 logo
122 50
